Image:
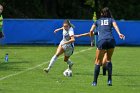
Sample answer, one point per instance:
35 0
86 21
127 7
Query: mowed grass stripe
14 74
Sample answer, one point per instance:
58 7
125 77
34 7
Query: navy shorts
106 44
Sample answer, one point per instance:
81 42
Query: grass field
24 71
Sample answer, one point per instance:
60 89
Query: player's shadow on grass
124 75
120 75
86 73
12 66
132 85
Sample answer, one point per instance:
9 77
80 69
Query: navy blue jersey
104 28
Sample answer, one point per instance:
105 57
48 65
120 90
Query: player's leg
68 53
59 51
68 61
104 63
109 65
110 50
98 62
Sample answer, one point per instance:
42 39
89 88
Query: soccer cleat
70 66
109 83
46 70
94 83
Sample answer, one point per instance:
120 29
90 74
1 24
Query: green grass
24 71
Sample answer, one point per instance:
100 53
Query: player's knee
108 60
104 64
65 60
98 61
57 55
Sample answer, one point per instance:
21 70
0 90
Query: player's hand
55 31
121 36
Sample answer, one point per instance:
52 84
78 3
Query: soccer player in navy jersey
106 43
105 55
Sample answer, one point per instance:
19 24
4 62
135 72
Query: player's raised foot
94 83
70 66
46 70
109 83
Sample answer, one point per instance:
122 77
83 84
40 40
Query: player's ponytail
69 23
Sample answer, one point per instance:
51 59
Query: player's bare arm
80 35
117 30
92 29
56 30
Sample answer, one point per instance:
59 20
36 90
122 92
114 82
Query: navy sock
96 72
109 68
104 70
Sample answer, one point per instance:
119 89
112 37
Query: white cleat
46 70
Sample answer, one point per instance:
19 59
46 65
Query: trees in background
72 9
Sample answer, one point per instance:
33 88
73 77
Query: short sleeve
71 31
113 20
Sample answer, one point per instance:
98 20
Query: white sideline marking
8 76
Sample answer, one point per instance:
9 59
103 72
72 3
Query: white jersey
66 37
67 34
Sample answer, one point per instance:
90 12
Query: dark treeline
71 9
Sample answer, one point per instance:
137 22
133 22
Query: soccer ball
67 73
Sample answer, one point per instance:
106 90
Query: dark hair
69 23
105 12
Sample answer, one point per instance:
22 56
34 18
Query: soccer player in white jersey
66 46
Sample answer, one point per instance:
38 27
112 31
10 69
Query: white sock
52 61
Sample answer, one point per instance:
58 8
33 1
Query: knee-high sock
96 72
69 62
104 70
109 68
52 61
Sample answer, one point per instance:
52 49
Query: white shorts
68 49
